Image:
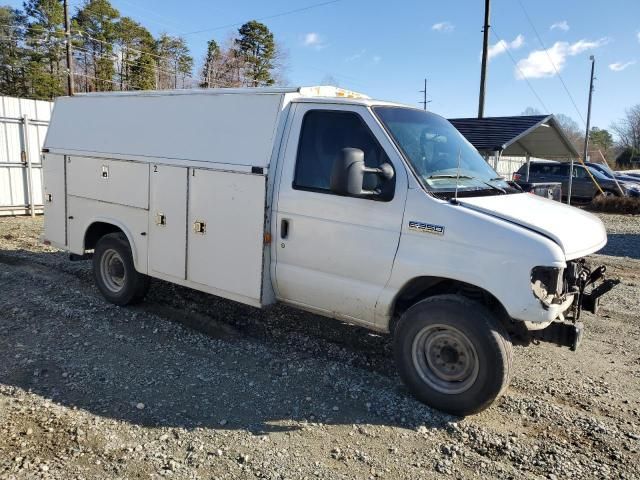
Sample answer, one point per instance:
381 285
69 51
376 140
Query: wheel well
420 288
96 231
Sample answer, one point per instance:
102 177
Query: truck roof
309 91
192 125
319 93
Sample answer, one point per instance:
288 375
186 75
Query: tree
572 130
601 139
257 48
97 22
137 66
529 111
174 62
212 67
12 52
44 37
628 131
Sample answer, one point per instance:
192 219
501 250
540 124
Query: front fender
471 247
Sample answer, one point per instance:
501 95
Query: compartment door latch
199 227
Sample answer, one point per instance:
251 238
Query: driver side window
323 135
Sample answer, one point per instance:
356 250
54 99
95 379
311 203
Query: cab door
334 254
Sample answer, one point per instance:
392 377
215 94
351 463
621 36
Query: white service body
202 184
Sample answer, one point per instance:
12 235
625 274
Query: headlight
547 283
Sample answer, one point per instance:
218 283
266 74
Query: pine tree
136 61
175 62
12 52
212 65
45 69
97 22
258 50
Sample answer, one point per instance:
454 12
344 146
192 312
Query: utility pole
586 137
485 48
424 96
67 34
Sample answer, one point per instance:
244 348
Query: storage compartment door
55 199
226 232
113 181
168 220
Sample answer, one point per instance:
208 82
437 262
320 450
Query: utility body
371 212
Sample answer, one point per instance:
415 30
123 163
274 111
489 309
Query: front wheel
115 273
453 354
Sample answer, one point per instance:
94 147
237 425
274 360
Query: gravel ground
190 386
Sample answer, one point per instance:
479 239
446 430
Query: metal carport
538 136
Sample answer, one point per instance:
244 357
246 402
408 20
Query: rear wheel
453 354
114 272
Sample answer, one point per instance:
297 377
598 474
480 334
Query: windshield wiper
449 176
494 187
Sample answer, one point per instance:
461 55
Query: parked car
631 174
607 172
583 189
374 213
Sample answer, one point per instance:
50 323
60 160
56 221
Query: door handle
284 228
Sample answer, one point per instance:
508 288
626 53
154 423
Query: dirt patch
187 385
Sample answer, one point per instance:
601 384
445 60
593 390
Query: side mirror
347 175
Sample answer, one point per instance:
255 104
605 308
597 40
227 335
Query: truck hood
578 233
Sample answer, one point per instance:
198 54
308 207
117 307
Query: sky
386 49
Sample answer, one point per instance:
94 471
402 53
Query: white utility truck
370 212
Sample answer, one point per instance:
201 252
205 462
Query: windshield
598 173
438 153
601 169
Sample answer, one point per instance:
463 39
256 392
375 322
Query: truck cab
370 212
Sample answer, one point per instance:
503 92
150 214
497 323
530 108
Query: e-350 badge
426 228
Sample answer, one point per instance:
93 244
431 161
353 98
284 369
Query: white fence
508 165
23 126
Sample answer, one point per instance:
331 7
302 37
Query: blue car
607 172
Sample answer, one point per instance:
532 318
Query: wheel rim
112 271
445 359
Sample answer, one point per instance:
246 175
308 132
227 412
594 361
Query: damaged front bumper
572 289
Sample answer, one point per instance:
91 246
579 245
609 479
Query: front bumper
569 290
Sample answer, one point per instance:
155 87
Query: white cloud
376 59
638 35
540 63
313 40
563 25
443 27
356 56
619 66
502 46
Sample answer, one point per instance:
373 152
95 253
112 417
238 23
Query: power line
153 13
269 17
493 30
114 57
551 61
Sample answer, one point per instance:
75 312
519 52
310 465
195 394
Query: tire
453 354
114 272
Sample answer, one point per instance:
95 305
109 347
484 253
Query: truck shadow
622 245
233 367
